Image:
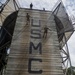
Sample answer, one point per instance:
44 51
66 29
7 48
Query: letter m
33 47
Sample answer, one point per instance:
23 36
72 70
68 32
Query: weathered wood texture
19 54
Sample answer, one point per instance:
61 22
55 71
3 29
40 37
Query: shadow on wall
6 34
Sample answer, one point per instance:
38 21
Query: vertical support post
68 55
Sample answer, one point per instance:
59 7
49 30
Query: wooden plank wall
30 55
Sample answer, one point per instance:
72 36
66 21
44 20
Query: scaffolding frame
5 11
63 45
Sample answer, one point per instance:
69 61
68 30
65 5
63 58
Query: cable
14 38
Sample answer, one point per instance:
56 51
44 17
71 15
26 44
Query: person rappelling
27 19
45 31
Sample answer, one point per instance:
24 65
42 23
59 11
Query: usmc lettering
35 35
30 64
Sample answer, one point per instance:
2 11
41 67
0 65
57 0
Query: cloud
49 4
70 6
2 1
38 4
71 45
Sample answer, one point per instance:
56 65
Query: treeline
70 71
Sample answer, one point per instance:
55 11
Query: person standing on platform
44 9
27 19
31 6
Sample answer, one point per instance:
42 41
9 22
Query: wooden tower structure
34 51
